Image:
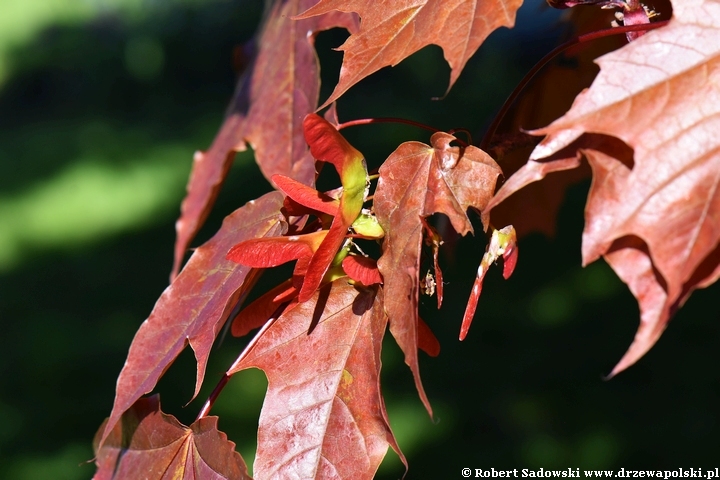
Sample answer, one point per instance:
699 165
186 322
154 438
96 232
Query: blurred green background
102 104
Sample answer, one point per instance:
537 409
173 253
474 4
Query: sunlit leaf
392 31
654 219
415 182
323 415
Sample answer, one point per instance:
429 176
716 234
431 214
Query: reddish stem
463 130
224 379
213 396
484 145
367 121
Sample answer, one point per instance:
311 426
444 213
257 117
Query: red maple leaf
416 181
654 219
323 416
146 443
392 31
271 99
195 306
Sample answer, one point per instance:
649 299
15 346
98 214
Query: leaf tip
471 307
427 341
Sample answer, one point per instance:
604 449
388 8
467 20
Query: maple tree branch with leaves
320 331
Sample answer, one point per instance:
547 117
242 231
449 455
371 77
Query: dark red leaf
427 342
279 88
532 205
195 306
147 443
535 207
415 182
392 31
323 416
662 101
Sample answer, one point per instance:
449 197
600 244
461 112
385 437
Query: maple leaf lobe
392 31
660 94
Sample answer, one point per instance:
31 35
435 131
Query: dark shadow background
100 112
